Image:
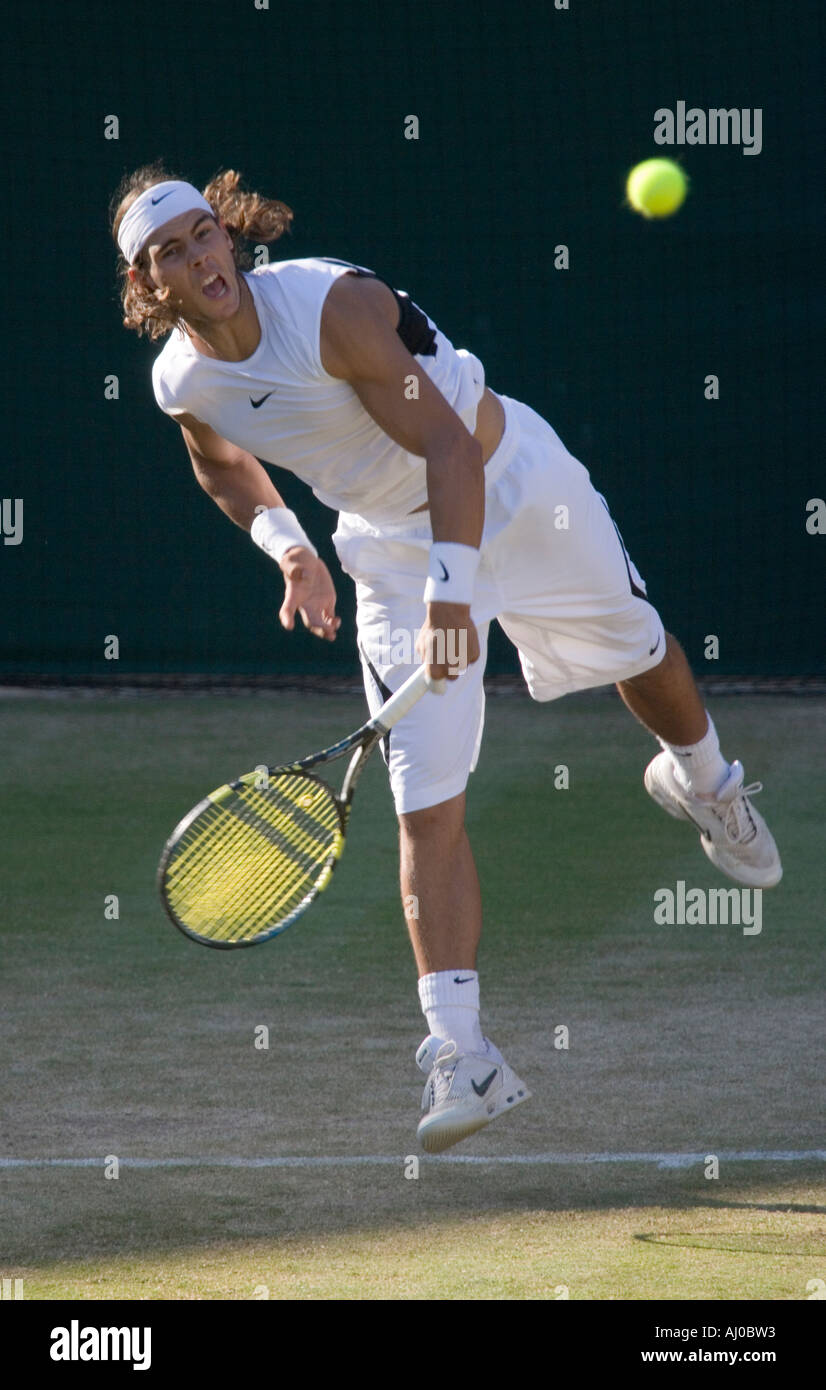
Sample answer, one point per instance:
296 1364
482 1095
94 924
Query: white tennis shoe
734 836
464 1092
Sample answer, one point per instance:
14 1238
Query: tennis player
457 504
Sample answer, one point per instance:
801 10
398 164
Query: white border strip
661 1160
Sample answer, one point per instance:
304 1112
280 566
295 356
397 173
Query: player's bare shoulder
358 311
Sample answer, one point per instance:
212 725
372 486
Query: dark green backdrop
529 119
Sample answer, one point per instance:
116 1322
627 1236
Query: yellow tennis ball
657 187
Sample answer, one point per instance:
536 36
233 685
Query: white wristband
276 530
451 573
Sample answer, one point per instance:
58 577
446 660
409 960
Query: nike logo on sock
481 1090
466 980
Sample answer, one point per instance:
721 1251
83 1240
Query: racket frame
363 741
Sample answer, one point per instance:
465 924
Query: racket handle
405 698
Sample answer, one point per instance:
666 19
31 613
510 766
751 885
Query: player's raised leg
666 700
589 622
690 778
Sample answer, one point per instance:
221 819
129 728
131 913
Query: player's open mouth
215 287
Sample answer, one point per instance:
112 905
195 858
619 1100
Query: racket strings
239 881
251 858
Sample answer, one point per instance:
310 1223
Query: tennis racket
250 858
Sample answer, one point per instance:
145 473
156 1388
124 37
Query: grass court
285 1172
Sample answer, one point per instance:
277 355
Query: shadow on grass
76 1215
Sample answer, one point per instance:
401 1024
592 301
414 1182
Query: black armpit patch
413 327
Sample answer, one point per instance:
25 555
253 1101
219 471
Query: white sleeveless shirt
283 407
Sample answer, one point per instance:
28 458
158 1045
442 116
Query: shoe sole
752 878
441 1132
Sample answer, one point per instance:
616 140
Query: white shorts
553 571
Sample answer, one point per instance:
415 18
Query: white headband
155 206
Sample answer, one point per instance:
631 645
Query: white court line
661 1160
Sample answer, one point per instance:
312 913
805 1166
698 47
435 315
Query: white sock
700 767
450 1003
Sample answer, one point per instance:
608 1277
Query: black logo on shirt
260 401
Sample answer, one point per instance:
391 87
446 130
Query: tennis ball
657 187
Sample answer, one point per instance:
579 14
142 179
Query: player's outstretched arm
242 487
234 479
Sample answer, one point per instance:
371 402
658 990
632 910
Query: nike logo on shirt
262 399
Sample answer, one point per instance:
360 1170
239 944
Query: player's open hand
310 592
448 642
